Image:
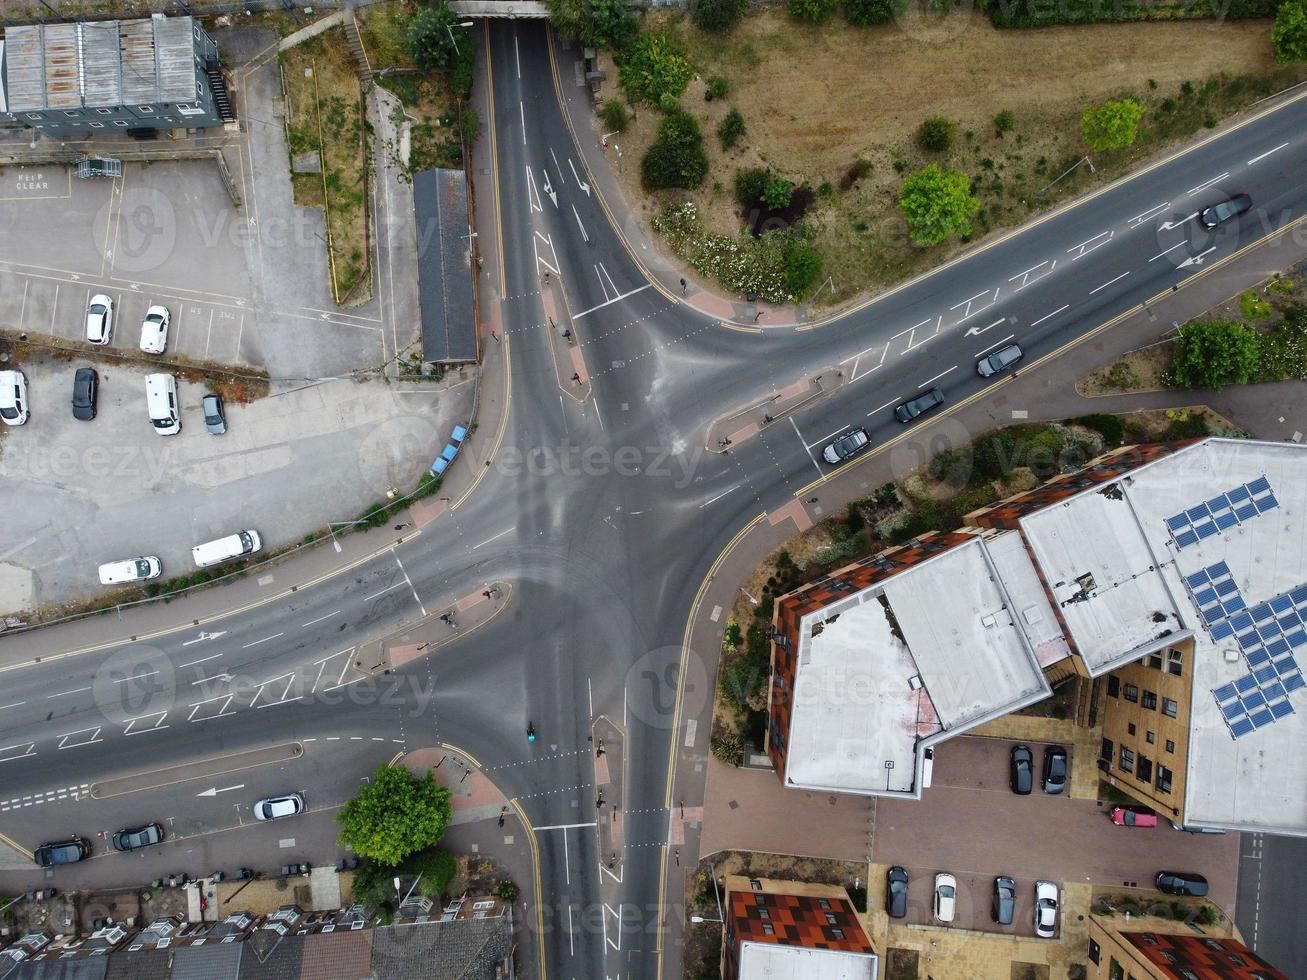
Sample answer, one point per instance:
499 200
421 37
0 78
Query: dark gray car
919 406
86 384
215 420
131 839
1181 883
62 852
1055 769
896 893
1000 360
1005 900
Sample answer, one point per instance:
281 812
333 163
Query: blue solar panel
1241 622
1238 493
1218 503
1254 700
1265 675
1259 485
1258 657
1293 682
1219 570
1245 683
1197 579
1246 512
1289 622
1262 718
1241 727
1206 529
1225 692
1300 595
1281 603
1206 597
1262 612
1233 710
1197 513
1297 639
1225 586
1277 647
1267 503
1234 605
1177 522
1249 641
1269 630
1273 691
1222 630
1185 539
1226 521
1287 664
1281 709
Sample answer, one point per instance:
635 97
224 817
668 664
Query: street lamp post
450 31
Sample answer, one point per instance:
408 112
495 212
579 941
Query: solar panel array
1222 512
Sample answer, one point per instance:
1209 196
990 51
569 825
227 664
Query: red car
1124 817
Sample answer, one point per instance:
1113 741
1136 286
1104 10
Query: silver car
1000 360
276 807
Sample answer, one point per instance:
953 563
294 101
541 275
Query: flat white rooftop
771 961
932 649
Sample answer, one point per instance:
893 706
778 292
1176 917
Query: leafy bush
1110 427
1004 122
651 66
1283 352
1289 33
750 182
676 158
742 679
716 88
1214 353
865 13
1253 307
1112 125
802 268
395 815
776 195
1186 427
727 747
731 129
995 454
937 204
742 264
613 23
615 116
951 467
813 11
1042 13
508 892
437 869
571 19
731 637
936 134
717 15
428 37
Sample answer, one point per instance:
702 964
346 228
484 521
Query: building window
1131 693
1113 686
105 112
1175 662
1127 760
755 884
768 929
837 934
1150 700
830 919
1095 952
1170 746
97 125
1114 971
1130 728
822 903
1154 660
1145 773
1148 938
35 115
120 122
1164 778
145 110
1170 707
1106 751
1236 960
1151 738
71 113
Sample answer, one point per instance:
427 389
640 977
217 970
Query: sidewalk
427 636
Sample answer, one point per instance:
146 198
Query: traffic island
747 421
441 627
610 795
569 362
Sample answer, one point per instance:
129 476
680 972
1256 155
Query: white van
161 399
130 570
225 549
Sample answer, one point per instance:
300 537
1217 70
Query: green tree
613 23
717 15
615 116
676 158
1214 353
802 270
865 13
936 134
750 182
731 129
395 815
1112 125
1289 33
430 37
937 204
776 195
436 867
813 11
571 19
651 66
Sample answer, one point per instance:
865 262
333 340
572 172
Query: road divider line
311 622
1049 316
1108 283
995 344
1207 184
1165 250
937 377
615 299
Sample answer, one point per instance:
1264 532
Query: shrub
802 268
717 15
1253 307
1004 122
1214 353
936 134
651 66
717 88
428 37
508 892
613 23
676 158
1110 427
1112 125
727 747
731 129
813 11
437 869
750 182
994 455
615 116
776 195
1188 427
951 467
1289 33
937 204
865 13
731 637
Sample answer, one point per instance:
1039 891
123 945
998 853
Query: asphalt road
603 513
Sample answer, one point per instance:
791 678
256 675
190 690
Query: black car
896 893
1005 900
1022 776
1054 769
215 420
86 385
1223 212
1181 883
919 406
62 852
130 840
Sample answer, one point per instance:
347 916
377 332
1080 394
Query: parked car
896 893
62 852
1045 909
1021 777
1126 817
1220 213
946 897
13 397
1005 900
1054 769
86 387
276 807
154 330
130 840
919 406
99 319
846 446
1181 883
215 420
1000 360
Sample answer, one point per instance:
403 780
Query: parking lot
970 824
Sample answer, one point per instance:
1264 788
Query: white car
1045 909
154 330
277 807
946 896
99 319
13 397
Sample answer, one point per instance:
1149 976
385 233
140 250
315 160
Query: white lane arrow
549 189
205 636
979 330
1195 259
214 791
580 183
1168 225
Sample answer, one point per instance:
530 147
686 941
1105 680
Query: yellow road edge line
494 158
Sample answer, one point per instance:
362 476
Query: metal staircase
221 100
362 67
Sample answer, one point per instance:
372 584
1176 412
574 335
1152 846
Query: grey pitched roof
217 962
141 965
464 949
73 968
337 956
445 274
270 956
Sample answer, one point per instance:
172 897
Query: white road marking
995 344
577 214
937 377
14 705
882 407
967 303
718 497
320 618
76 690
615 299
1207 184
1108 283
1150 213
495 538
805 446
1049 316
517 57
1263 156
92 740
1164 251
829 435
383 591
565 826
136 677
1088 245
264 640
522 113
410 582
200 661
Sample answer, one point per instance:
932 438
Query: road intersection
604 502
